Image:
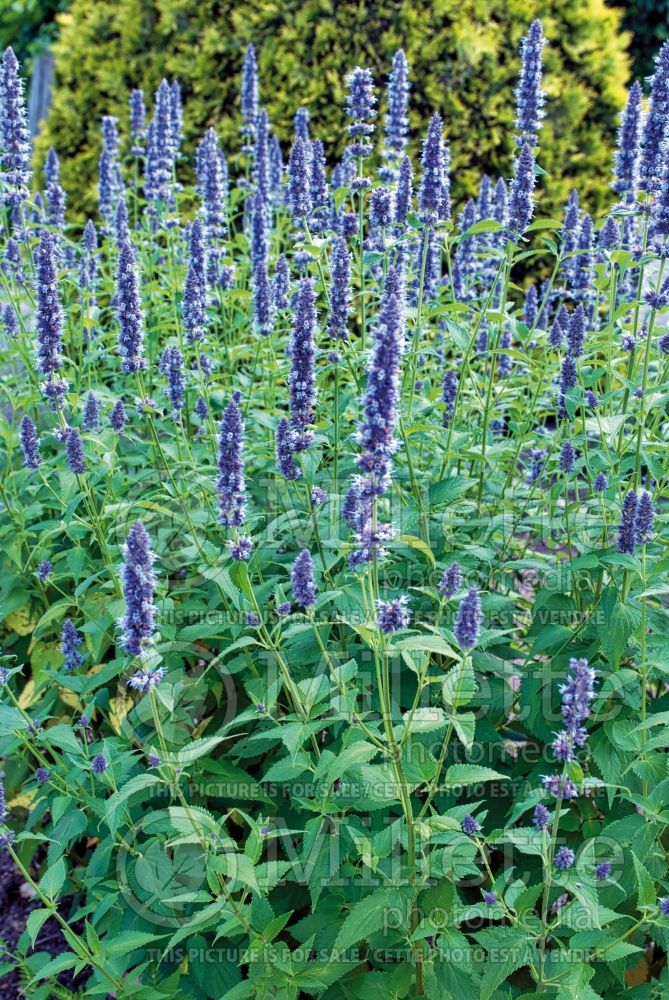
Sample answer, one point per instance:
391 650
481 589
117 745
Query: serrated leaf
52 881
35 922
368 916
469 774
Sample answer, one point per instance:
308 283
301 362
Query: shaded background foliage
30 27
463 58
648 21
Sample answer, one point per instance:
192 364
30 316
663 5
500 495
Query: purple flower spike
529 96
118 418
627 528
195 287
259 229
451 581
160 151
645 519
249 99
603 870
664 906
262 300
376 432
302 379
91 421
567 458
489 898
361 108
298 180
318 496
75 452
137 122
99 764
301 122
577 696
601 482
576 331
561 788
393 615
434 195
626 170
521 196
129 311
470 825
212 187
404 193
449 392
70 643
469 620
340 292
396 121
144 680
29 444
54 194
231 485
49 319
564 858
281 283
541 816
609 234
16 155
656 125
110 184
285 451
121 230
44 570
318 186
9 321
302 580
276 169
138 578
172 366
241 549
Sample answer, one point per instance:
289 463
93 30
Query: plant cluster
462 53
333 561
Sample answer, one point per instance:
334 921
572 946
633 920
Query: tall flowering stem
361 109
138 580
529 96
129 312
396 121
15 146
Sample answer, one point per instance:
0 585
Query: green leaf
124 942
369 915
139 783
469 774
57 965
447 491
418 543
199 748
459 685
646 895
52 881
35 922
237 868
425 644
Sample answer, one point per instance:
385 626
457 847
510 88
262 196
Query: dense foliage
648 24
334 563
29 26
462 53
